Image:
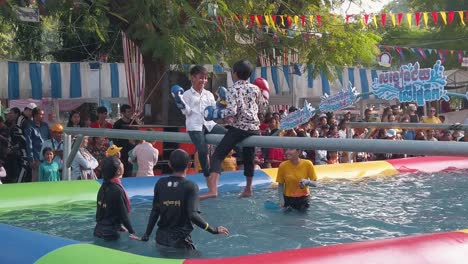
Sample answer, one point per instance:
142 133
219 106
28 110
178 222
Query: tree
194 31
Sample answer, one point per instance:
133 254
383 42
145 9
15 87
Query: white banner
465 62
27 14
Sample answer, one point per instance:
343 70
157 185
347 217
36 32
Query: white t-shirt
146 157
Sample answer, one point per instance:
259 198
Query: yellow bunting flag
267 20
244 20
375 21
296 20
282 20
393 19
426 18
257 21
362 22
462 21
444 16
409 17
311 19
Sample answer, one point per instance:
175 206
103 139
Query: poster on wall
298 117
412 84
346 98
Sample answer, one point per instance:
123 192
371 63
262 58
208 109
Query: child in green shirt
49 169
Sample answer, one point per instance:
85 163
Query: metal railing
412 147
408 125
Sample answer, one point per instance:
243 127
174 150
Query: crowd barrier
24 246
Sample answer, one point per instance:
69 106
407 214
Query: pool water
341 211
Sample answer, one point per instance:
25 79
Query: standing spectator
102 119
396 112
146 156
19 168
33 134
127 145
431 117
368 116
413 116
49 169
55 143
74 120
407 134
83 165
99 150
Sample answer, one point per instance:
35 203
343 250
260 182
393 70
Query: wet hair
101 109
198 69
46 149
110 165
179 160
243 68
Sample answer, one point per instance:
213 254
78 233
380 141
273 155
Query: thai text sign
346 98
412 84
298 117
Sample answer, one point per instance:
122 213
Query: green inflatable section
86 253
14 196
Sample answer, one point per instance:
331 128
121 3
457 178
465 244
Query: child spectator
230 162
49 169
333 157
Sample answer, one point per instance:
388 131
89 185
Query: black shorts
170 239
298 203
107 232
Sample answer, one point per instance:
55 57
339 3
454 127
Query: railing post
66 173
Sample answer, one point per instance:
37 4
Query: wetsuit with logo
111 212
176 205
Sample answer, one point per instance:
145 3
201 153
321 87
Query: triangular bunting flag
319 20
366 19
460 14
444 16
259 19
375 21
451 16
417 17
435 17
426 18
282 20
422 53
347 18
451 52
400 17
409 17
311 19
430 51
460 56
383 17
393 19
296 20
303 21
413 50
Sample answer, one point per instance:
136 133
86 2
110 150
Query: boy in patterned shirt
244 102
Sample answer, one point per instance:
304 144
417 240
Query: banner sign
346 98
298 117
27 14
412 84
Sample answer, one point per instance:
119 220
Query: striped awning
64 80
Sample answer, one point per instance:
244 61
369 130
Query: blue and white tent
284 80
64 80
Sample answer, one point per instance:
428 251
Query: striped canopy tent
299 80
64 80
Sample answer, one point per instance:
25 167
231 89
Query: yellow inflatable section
347 170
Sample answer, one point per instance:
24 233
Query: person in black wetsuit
176 205
113 204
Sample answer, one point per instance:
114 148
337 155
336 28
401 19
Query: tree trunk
156 90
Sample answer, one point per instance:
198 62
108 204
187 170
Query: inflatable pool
24 246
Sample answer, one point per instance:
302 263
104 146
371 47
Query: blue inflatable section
228 181
24 246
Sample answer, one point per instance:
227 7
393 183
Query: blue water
341 211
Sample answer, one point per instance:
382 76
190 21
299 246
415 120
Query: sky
366 7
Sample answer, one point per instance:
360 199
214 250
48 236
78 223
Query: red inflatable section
438 248
429 164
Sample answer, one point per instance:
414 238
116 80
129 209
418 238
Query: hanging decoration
346 98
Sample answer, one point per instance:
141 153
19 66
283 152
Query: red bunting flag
366 19
319 20
423 54
252 20
349 16
398 49
460 56
259 19
435 17
273 19
418 18
451 16
288 19
383 17
400 17
303 20
238 17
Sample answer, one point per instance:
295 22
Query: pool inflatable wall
24 246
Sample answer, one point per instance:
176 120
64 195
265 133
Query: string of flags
367 20
424 52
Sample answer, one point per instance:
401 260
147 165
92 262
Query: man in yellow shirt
431 118
295 175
